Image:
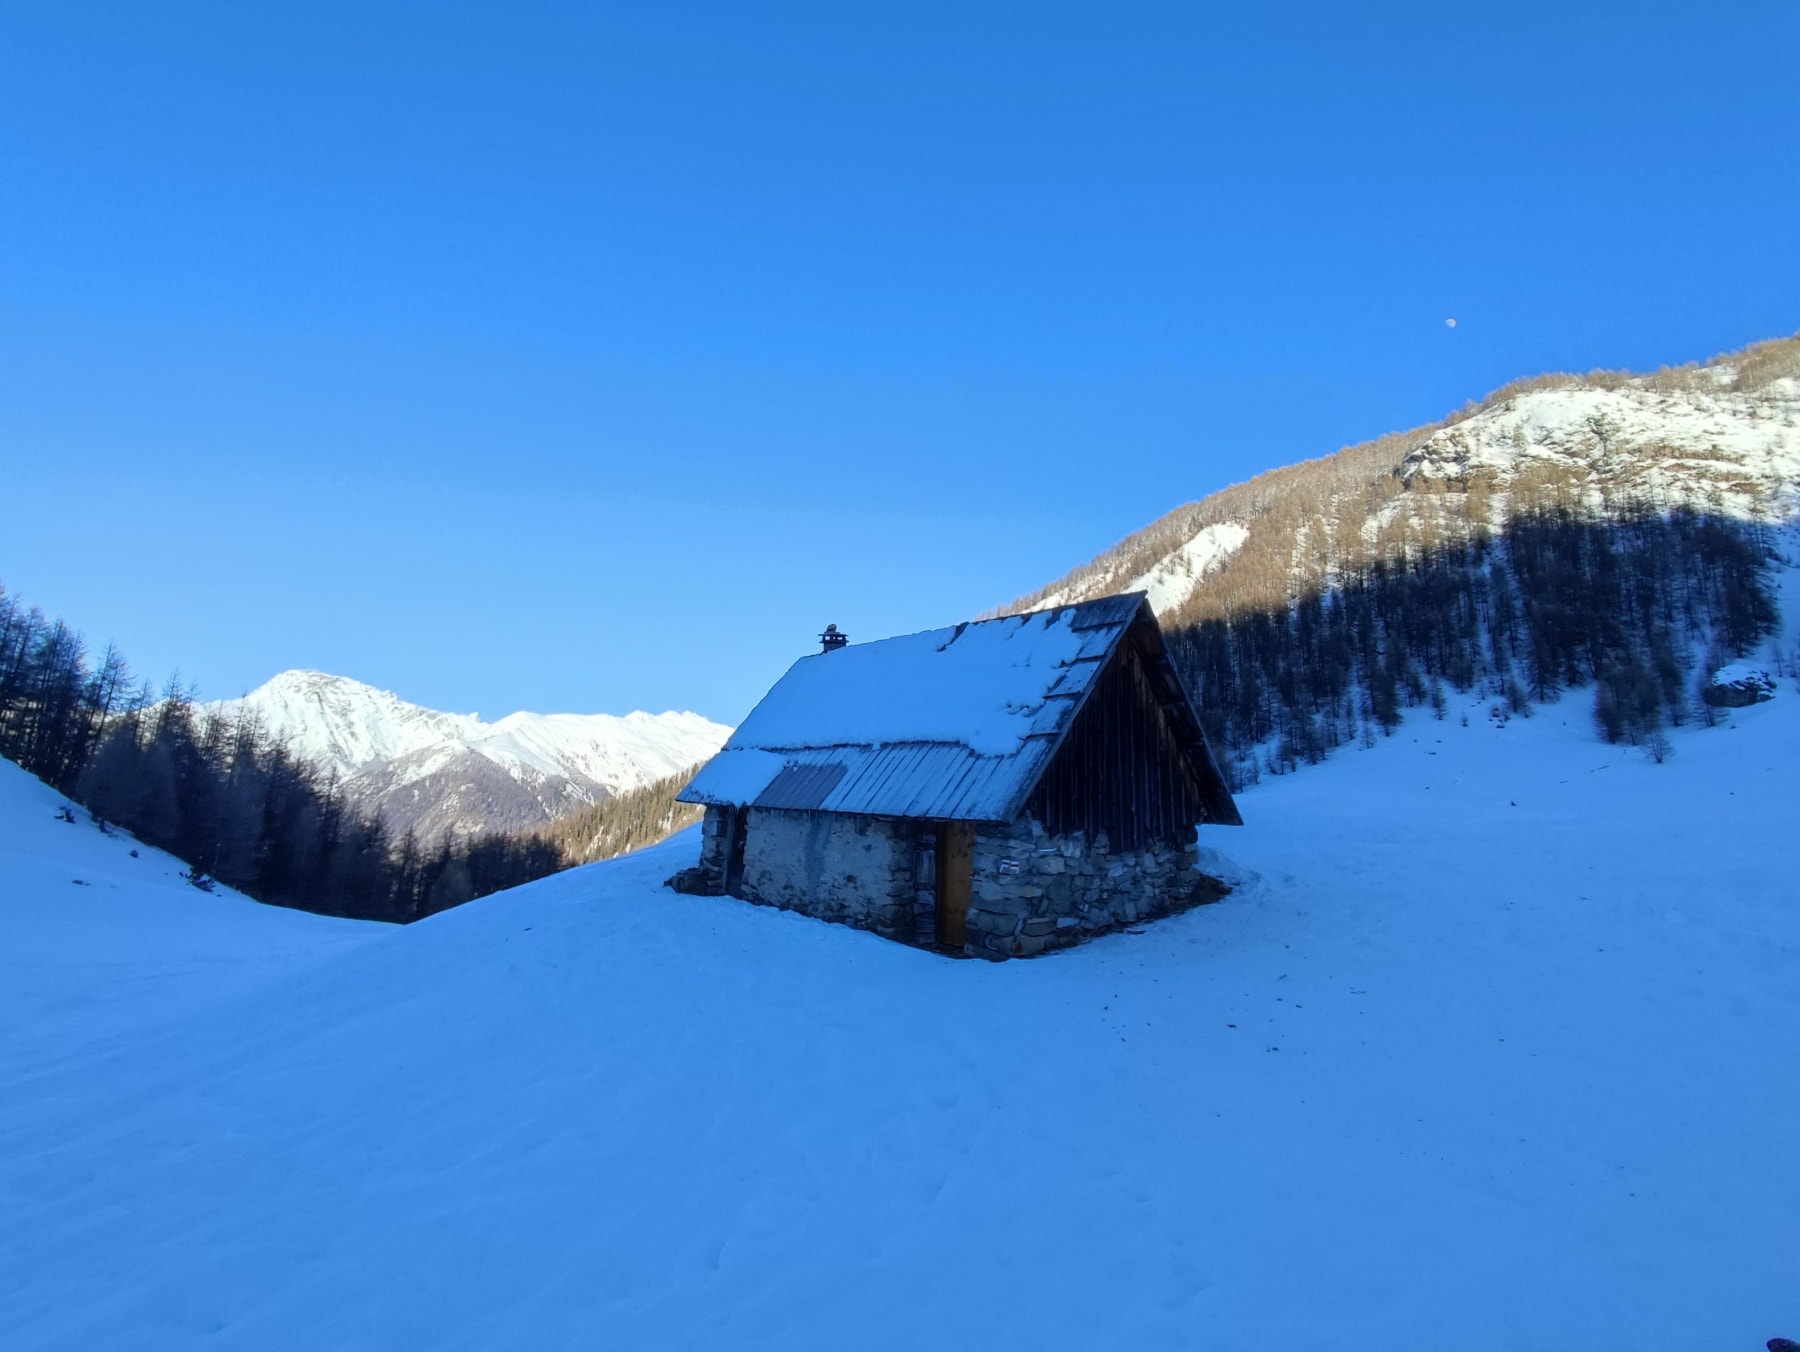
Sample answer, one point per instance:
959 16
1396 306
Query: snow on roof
977 684
952 723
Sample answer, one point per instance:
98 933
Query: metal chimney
832 639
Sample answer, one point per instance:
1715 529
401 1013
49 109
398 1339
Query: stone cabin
997 789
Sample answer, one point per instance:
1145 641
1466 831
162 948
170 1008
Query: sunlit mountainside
437 771
1720 437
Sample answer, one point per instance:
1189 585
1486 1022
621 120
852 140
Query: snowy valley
438 772
1492 1045
1289 839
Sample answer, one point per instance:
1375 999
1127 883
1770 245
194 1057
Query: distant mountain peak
435 771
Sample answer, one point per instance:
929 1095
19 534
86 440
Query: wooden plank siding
1120 769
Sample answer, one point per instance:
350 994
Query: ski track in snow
1494 1046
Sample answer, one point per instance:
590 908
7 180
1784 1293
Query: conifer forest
1639 606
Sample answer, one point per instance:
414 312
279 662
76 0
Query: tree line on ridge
1639 604
219 793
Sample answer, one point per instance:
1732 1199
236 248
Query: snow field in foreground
1494 1047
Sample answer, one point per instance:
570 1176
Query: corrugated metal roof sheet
1039 668
1106 611
802 786
939 780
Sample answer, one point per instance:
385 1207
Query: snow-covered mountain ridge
1722 437
1718 450
436 771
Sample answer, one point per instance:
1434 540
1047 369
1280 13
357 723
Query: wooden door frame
955 882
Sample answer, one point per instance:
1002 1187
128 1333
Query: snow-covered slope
437 770
1724 437
1173 580
1493 1048
100 934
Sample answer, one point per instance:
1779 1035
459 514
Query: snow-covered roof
952 724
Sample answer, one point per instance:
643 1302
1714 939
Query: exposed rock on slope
1720 437
439 771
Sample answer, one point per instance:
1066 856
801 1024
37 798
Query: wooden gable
1133 762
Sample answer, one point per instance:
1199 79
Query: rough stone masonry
1033 891
1029 891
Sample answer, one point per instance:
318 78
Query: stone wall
1032 891
707 878
859 871
1029 892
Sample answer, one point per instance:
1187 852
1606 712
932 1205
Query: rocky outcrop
1739 685
1719 438
464 793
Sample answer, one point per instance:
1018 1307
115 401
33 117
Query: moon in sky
1450 323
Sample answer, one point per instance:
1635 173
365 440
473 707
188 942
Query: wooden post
955 861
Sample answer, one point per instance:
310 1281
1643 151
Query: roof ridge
957 723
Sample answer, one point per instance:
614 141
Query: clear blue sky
593 357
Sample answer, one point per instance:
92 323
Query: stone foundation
1029 891
707 878
1032 892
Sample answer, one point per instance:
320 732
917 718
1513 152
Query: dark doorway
734 850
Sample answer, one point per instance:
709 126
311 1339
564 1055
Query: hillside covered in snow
441 771
1492 1046
1608 533
101 934
1720 437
